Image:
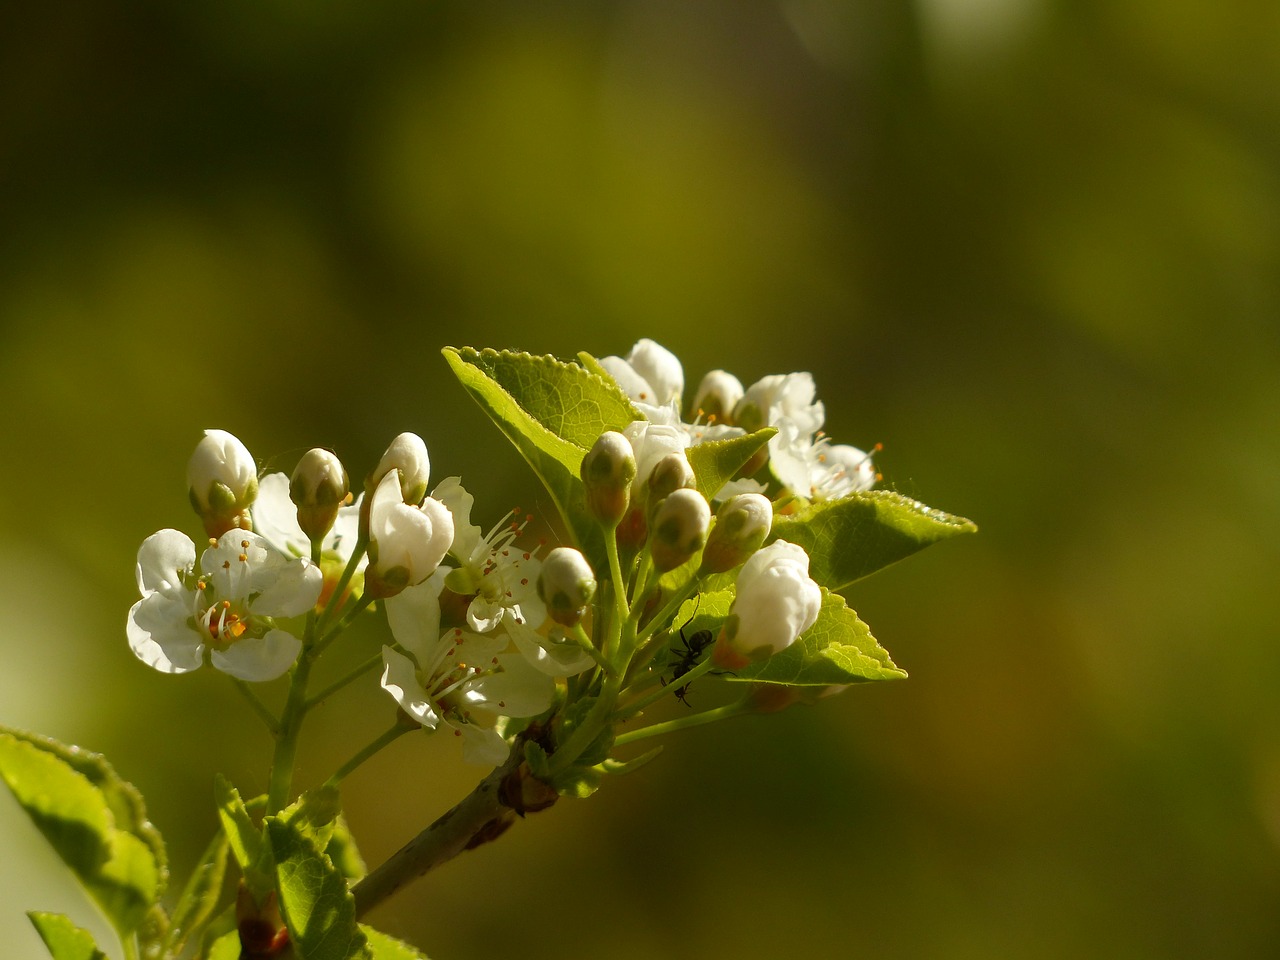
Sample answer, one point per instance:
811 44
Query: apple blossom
445 676
228 610
499 577
718 394
776 601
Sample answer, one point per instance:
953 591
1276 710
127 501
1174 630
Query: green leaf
389 948
94 820
314 814
577 782
244 838
199 900
837 649
343 852
716 462
226 947
314 900
64 939
849 538
553 412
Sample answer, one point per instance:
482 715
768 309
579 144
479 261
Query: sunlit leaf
93 819
64 939
849 538
389 948
716 462
314 900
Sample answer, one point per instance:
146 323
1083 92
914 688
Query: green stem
337 685
335 598
584 641
130 945
359 607
260 708
590 727
684 723
610 647
633 709
390 736
295 709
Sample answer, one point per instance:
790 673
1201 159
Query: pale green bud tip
407 453
671 473
566 585
222 479
679 529
718 394
318 488
742 525
607 472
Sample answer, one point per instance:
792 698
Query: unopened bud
741 527
679 528
776 601
718 393
566 585
607 472
669 474
407 453
222 480
318 488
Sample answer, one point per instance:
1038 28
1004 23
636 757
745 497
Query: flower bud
566 585
679 528
406 542
407 454
607 471
742 524
669 474
222 480
661 368
318 488
718 393
780 396
776 601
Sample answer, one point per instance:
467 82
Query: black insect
688 654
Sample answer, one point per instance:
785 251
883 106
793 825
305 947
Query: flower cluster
801 457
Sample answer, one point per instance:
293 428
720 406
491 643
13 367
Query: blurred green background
1033 247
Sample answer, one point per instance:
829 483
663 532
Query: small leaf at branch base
850 538
716 462
314 900
64 939
200 897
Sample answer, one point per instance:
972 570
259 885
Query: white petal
477 649
466 536
414 615
400 679
556 659
159 635
259 658
481 745
295 588
162 560
633 384
484 614
520 690
660 367
276 518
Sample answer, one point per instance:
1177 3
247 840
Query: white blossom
502 577
406 542
229 609
775 602
442 677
